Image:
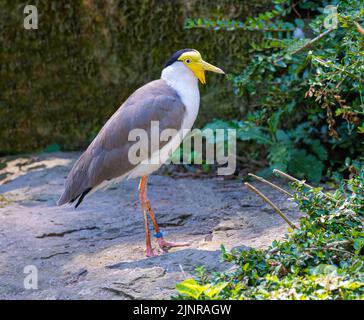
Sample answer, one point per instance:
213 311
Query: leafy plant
196 291
305 82
282 146
322 259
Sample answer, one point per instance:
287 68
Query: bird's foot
163 244
149 252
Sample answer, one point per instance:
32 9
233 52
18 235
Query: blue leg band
159 235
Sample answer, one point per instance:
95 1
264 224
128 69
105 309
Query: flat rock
97 251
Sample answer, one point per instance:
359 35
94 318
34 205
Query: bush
306 85
322 259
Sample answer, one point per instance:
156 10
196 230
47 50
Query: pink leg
149 250
163 244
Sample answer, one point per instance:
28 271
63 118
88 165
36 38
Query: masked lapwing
172 102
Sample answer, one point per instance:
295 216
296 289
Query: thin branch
329 64
242 27
271 184
183 272
281 214
335 243
295 10
309 43
359 27
285 175
329 248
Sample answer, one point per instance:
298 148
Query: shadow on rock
182 260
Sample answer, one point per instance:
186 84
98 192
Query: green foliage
60 83
307 97
281 145
322 259
196 291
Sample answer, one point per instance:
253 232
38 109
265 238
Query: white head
188 64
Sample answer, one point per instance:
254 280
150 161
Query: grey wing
106 157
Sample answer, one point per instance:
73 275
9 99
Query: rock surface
97 251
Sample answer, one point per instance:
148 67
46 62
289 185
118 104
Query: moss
60 83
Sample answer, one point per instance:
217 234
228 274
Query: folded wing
106 158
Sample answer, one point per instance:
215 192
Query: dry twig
281 214
285 175
309 43
271 184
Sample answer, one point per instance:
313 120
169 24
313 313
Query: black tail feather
80 199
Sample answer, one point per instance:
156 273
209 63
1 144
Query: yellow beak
209 67
205 66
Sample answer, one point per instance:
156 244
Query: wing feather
107 156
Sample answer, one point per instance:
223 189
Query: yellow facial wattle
193 60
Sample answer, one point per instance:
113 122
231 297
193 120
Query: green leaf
299 23
52 148
282 136
323 269
191 288
304 165
274 120
221 124
358 245
249 131
214 291
351 285
279 154
318 149
281 63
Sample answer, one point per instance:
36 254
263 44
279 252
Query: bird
173 101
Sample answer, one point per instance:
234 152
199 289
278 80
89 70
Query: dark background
61 82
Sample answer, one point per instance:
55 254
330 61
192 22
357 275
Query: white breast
181 79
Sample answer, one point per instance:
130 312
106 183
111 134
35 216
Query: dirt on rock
97 250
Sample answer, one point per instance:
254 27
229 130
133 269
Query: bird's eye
188 60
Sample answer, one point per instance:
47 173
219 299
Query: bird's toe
163 244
